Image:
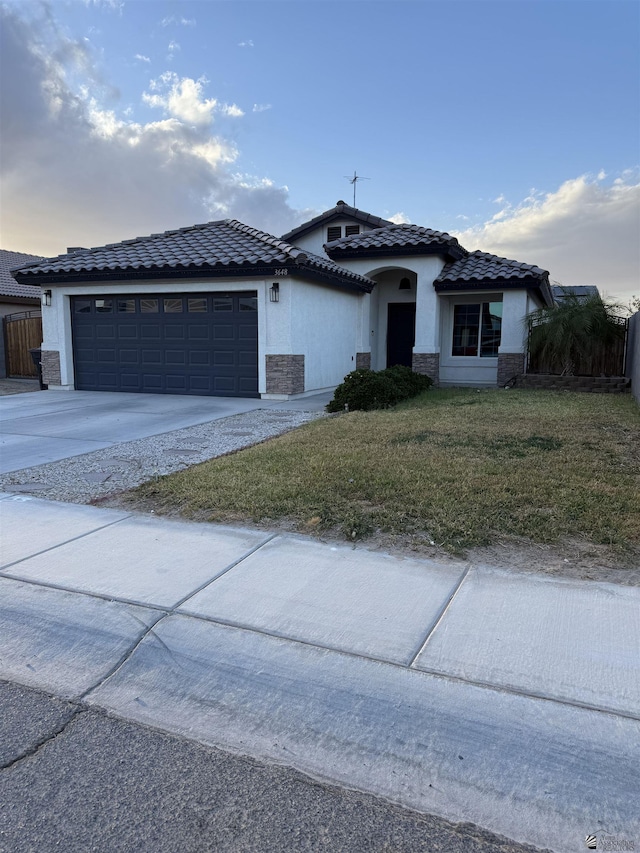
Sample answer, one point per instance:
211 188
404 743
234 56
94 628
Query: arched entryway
393 317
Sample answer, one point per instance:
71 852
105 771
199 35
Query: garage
167 343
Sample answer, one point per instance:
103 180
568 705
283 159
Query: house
225 309
581 291
23 302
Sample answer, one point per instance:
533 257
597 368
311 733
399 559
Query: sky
514 125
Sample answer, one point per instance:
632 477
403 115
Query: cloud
172 48
96 175
261 108
181 22
142 58
183 98
399 218
247 43
585 232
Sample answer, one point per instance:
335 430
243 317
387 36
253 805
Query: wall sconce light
274 292
46 297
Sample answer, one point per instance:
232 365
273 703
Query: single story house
225 309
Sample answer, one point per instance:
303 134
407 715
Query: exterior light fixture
274 292
46 297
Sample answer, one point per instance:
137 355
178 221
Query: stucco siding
325 331
315 240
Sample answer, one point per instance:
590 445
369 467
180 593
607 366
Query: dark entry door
401 333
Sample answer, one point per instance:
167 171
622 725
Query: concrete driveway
46 426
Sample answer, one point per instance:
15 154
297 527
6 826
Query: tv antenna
353 181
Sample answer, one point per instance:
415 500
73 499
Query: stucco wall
315 240
318 322
325 331
632 368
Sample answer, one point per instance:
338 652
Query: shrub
368 389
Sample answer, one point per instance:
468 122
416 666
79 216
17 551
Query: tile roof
226 248
8 285
340 211
396 239
481 266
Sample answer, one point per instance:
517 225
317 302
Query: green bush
368 389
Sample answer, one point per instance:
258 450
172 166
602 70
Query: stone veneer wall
285 374
510 365
594 384
427 363
50 360
363 361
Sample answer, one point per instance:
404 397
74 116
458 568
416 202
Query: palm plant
570 337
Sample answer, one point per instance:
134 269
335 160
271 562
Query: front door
401 333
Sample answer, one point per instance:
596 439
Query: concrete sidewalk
511 701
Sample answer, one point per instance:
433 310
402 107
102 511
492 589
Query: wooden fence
22 332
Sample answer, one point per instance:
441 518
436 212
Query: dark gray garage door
183 343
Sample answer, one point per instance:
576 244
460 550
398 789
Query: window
476 329
173 306
222 303
248 303
149 306
350 230
198 305
104 306
334 233
82 306
126 306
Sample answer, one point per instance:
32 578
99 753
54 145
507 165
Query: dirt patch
572 559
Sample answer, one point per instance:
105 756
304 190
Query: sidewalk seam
440 616
66 542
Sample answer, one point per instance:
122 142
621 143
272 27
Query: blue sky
513 124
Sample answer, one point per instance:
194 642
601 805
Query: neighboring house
13 295
225 309
581 291
16 299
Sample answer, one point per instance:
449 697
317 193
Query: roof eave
302 269
528 283
442 249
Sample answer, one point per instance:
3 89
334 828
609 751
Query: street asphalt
474 695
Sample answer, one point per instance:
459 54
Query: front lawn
459 468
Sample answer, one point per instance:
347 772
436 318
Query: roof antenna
353 181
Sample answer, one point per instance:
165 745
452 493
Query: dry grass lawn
460 468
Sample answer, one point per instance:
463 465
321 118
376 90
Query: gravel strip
82 479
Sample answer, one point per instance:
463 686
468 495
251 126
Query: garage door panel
200 343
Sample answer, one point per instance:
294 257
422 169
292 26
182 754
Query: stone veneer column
50 360
510 364
427 363
363 361
285 374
